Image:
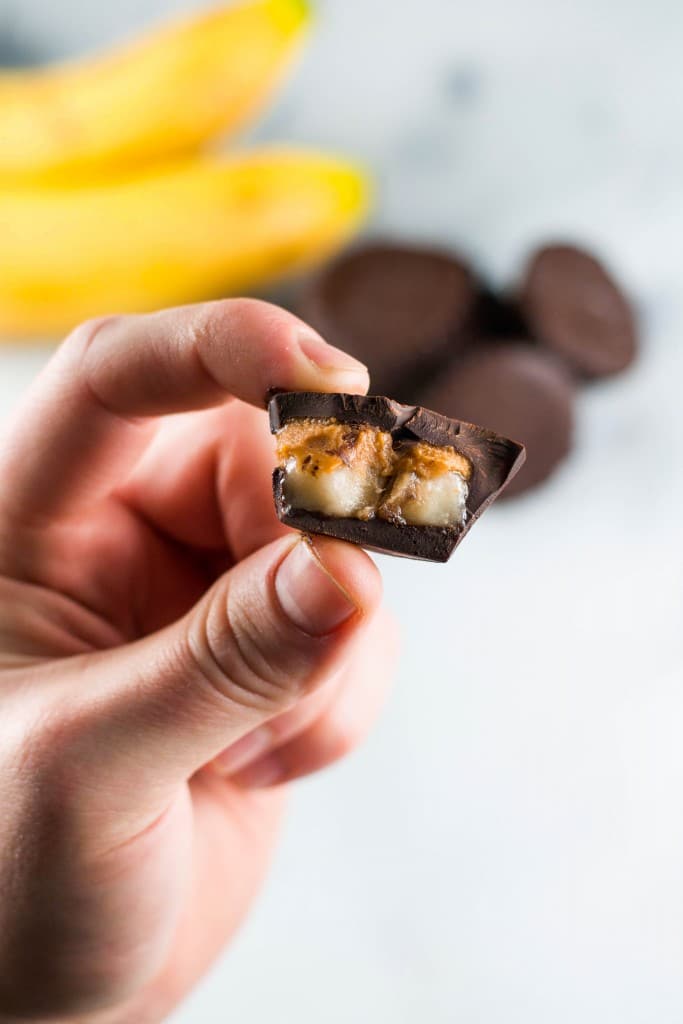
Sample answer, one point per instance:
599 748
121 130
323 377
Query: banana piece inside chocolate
343 470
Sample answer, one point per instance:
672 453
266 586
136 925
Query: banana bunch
109 201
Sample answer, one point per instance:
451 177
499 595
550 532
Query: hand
169 654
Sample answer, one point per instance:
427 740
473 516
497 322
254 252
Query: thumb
269 631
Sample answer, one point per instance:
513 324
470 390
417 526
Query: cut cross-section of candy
395 478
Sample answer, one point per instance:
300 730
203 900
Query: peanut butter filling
342 470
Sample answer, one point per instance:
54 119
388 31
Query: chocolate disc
518 391
572 305
399 309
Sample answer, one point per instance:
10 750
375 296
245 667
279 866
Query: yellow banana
159 97
204 228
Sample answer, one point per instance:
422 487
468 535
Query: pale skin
171 657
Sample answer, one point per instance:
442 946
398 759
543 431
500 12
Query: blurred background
508 846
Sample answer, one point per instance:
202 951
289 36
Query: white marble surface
509 845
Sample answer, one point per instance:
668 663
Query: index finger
82 424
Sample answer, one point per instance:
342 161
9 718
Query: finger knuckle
237 319
86 366
234 652
81 338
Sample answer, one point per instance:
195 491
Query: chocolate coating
523 392
494 461
571 304
399 309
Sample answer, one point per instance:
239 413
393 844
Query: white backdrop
509 845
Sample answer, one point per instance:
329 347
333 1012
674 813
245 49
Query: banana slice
339 471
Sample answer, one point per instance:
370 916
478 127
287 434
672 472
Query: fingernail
270 770
243 752
327 357
308 593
